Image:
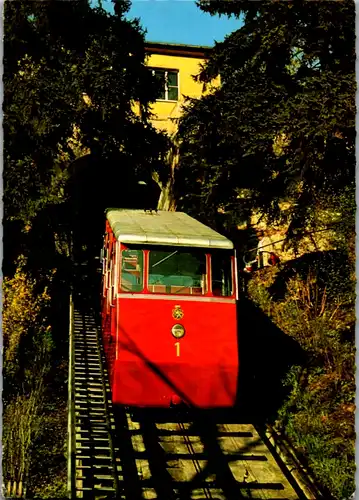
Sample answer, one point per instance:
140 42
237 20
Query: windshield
177 272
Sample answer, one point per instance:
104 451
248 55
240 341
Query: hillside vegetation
309 301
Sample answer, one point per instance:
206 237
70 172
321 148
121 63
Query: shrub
22 424
26 334
27 361
315 305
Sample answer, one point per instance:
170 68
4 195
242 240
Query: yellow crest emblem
177 312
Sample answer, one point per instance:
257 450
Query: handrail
71 471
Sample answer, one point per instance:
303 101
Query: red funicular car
169 311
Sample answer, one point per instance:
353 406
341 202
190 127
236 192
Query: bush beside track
313 304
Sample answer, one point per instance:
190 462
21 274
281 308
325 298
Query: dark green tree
281 126
75 83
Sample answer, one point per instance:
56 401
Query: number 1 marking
177 344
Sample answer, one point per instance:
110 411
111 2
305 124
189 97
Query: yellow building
174 65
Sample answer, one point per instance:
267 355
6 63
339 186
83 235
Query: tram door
110 273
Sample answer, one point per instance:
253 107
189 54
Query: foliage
27 355
22 423
26 332
318 416
319 420
48 474
71 72
282 125
35 392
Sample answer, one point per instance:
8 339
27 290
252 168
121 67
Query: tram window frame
103 254
113 272
227 289
104 266
165 287
137 287
108 264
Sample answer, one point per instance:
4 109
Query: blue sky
179 21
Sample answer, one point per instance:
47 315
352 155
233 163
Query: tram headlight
178 331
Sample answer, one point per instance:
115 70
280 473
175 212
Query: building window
168 84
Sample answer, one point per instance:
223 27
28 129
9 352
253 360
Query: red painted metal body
148 366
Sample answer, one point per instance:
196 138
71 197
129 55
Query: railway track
117 454
94 468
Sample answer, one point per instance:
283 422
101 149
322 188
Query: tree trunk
167 199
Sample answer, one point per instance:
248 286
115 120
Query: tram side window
112 271
222 282
132 271
177 272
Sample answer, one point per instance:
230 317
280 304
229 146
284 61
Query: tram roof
163 228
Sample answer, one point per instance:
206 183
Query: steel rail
71 410
286 456
195 461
